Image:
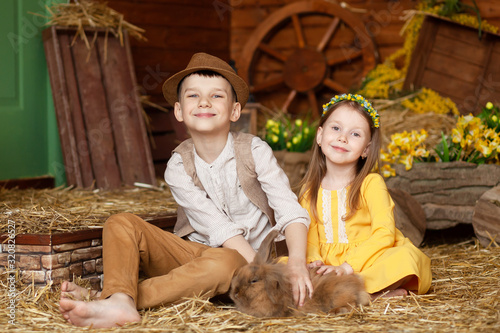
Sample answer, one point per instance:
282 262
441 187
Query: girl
352 223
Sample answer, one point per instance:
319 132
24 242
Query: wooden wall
175 29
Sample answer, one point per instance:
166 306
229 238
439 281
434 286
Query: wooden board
101 126
450 59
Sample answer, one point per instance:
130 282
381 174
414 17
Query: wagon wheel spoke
328 34
298 31
289 100
267 84
345 57
272 52
335 86
314 103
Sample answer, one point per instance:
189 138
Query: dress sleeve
313 252
204 216
376 199
275 184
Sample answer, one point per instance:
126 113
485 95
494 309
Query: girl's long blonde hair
310 184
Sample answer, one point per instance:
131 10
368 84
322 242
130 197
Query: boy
231 193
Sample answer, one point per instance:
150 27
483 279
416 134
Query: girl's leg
396 289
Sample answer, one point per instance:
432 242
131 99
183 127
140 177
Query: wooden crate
101 126
450 59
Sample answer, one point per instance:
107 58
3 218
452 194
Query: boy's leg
131 244
207 275
177 268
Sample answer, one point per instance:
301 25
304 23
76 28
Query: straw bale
395 118
464 297
70 209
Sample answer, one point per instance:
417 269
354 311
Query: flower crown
358 99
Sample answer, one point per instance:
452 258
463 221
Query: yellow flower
489 105
274 138
298 122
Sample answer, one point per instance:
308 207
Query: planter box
45 258
448 192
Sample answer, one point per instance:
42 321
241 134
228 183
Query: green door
29 140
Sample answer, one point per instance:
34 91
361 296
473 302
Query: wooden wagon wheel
327 38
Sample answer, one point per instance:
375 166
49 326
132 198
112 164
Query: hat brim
172 83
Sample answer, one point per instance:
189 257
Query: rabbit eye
254 280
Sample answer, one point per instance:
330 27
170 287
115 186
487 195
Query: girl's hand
314 264
344 269
301 282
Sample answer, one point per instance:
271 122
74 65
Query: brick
30 248
58 274
88 267
28 262
98 265
86 254
97 242
76 269
57 260
29 276
71 246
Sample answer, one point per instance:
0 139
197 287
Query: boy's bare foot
116 310
400 292
72 290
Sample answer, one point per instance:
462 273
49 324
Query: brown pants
174 267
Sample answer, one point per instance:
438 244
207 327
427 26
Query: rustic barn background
176 29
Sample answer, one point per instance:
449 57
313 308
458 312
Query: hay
95 15
397 119
464 297
68 209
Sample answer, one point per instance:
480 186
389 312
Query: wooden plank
41 182
449 87
460 50
84 165
62 105
96 115
468 72
125 112
420 54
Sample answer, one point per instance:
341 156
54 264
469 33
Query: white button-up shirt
223 210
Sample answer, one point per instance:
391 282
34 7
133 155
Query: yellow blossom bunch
473 141
404 148
286 133
430 101
382 81
472 21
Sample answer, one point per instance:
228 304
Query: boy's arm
240 244
296 239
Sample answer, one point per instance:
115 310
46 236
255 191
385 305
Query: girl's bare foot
72 290
116 310
400 292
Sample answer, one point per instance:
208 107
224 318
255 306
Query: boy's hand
301 282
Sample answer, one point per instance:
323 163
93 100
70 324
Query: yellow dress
369 241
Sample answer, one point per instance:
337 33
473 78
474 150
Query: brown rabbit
262 289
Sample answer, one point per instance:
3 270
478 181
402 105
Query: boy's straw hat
204 62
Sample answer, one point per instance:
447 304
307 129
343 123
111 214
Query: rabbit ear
264 252
275 285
